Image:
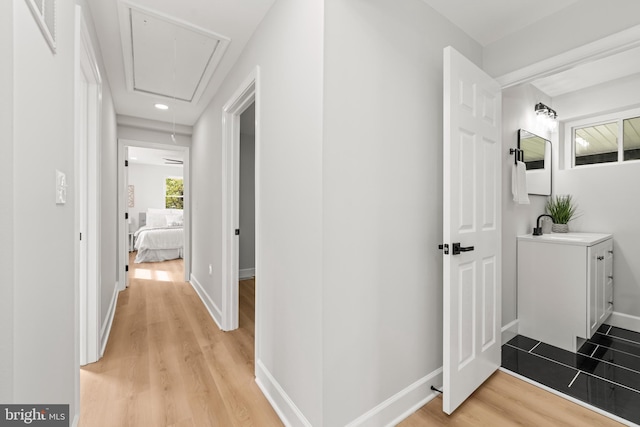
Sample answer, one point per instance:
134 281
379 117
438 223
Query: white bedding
158 243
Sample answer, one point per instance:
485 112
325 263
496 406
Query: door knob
456 249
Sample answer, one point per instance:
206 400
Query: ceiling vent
167 57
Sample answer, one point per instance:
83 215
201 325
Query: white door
472 223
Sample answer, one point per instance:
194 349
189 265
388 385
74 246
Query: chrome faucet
537 231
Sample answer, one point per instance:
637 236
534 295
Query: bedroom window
174 193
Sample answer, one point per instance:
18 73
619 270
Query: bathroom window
613 138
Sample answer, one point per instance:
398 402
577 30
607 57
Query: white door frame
244 96
123 245
88 110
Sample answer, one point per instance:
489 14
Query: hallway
168 364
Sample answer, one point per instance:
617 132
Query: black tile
538 369
607 396
618 358
603 328
559 355
625 334
587 348
615 343
522 342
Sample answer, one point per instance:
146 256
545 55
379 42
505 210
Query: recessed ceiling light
161 106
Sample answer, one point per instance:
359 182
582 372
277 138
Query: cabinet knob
611 252
610 302
610 277
600 258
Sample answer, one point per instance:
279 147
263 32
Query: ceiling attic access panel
167 57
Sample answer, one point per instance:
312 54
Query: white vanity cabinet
565 286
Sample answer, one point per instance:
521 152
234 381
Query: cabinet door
599 258
608 278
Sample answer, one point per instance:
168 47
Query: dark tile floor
605 372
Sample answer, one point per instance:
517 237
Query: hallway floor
605 372
168 364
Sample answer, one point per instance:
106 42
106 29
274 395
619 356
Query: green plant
561 208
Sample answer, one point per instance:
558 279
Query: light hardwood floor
168 364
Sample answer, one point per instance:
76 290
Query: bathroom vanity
565 286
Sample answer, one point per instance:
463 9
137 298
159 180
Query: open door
471 228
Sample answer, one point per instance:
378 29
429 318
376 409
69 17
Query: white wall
149 135
149 183
7 208
288 48
607 194
45 348
382 202
580 23
517 113
247 250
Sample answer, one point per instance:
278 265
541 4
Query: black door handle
457 249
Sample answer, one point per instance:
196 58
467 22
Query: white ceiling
489 20
235 20
152 156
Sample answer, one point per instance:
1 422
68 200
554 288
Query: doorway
87 194
237 221
127 221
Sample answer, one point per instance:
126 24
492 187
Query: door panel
471 217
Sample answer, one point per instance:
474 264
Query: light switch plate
61 188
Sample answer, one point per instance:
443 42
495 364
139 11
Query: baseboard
625 321
76 420
509 331
212 308
288 412
246 273
108 322
401 405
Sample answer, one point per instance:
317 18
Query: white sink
586 239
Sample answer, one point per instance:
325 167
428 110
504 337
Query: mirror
537 157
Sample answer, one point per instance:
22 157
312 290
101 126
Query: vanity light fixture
543 110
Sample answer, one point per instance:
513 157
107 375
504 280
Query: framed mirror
537 157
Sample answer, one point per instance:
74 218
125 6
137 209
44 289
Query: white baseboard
288 412
509 331
76 420
246 273
625 321
401 405
108 321
212 308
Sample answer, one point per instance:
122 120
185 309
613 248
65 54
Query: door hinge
126 268
80 236
237 231
126 163
445 247
126 215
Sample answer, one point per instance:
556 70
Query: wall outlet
210 269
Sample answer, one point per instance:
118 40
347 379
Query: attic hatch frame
125 9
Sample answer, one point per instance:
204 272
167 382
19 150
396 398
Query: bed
160 236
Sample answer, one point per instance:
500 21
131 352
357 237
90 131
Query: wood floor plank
168 364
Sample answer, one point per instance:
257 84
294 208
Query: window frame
571 127
175 177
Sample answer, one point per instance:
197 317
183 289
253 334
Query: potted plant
562 209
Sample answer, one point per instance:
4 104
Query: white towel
519 183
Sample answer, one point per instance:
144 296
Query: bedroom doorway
165 165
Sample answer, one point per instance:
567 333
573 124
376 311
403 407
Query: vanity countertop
576 239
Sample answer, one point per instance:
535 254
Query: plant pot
560 228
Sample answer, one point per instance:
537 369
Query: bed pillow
175 220
156 220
